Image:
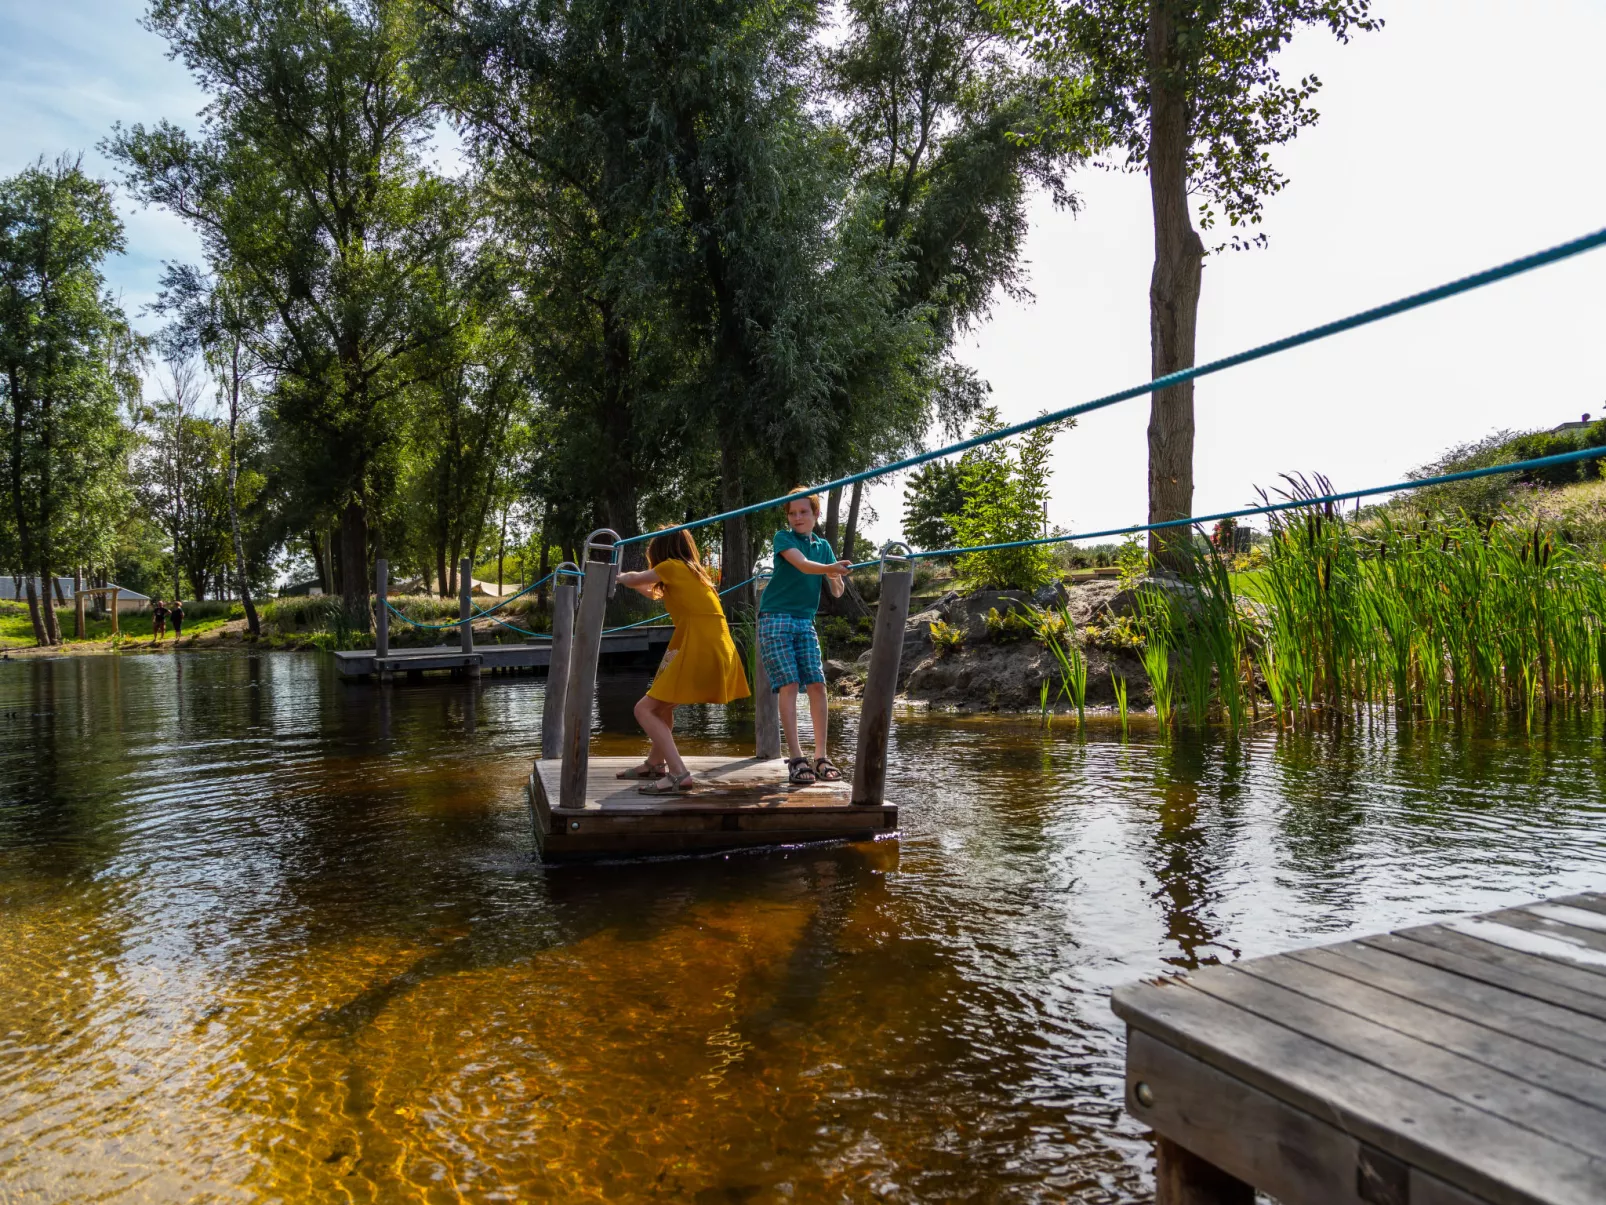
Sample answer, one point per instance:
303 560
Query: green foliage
933 492
946 638
1119 686
1009 627
1005 485
1220 59
1117 633
1132 559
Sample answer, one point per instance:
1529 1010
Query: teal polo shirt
790 590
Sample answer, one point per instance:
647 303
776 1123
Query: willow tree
307 187
950 134
1188 91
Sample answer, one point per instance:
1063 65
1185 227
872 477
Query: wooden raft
1461 1063
738 802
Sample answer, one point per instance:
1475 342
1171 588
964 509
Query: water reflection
266 933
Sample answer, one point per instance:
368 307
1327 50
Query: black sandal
825 770
798 773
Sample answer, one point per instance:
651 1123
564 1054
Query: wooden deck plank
1500 964
1476 1085
1483 1042
1582 945
722 783
1594 901
1468 1148
1538 1021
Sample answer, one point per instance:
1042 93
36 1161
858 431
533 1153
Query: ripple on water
268 936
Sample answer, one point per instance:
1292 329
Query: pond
266 936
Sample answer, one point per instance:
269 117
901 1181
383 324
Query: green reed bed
1428 617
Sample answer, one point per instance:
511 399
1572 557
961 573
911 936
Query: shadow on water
272 934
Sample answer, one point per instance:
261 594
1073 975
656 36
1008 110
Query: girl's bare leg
657 721
820 713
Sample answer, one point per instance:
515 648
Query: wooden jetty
738 802
461 655
582 810
642 647
1461 1063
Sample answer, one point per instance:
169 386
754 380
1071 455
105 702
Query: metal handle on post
612 548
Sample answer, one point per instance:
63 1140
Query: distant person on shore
158 620
786 637
699 666
176 613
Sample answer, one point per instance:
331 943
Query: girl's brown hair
677 546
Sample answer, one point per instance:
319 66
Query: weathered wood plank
1498 1049
1476 1085
1476 1151
1545 1024
1283 1151
1182 1178
1569 943
1594 901
1498 964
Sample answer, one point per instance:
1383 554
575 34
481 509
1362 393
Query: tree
209 317
933 492
1187 90
68 359
1004 488
183 480
307 189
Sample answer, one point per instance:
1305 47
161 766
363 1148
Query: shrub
1005 490
1008 627
946 638
1117 633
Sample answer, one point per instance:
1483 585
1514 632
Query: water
264 936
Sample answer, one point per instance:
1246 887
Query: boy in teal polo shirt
786 636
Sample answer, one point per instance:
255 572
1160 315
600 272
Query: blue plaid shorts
790 649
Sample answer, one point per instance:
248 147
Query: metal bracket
890 552
611 547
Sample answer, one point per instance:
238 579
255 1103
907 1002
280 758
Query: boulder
1125 602
970 612
835 671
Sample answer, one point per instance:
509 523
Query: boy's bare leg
820 713
657 721
788 708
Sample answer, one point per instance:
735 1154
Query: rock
1125 602
835 671
971 612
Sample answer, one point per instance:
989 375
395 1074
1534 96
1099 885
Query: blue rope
1414 301
1518 466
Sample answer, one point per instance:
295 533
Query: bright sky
1464 134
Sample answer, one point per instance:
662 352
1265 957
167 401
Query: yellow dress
701 664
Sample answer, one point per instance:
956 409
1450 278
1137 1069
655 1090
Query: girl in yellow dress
700 665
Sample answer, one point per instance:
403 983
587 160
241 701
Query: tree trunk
850 537
252 623
1173 290
354 566
736 562
543 570
315 543
833 516
19 511
47 576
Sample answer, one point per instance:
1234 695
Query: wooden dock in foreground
1461 1063
738 802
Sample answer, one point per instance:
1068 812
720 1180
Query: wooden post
78 614
115 593
881 687
766 706
465 604
381 612
557 672
1182 1178
583 682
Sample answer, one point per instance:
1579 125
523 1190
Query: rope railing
1517 466
1326 330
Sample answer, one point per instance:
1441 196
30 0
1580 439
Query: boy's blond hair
801 492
